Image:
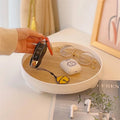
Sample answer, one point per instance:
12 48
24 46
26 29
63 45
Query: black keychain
38 54
40 51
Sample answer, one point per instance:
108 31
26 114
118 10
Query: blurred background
67 13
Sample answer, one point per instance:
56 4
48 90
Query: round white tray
41 86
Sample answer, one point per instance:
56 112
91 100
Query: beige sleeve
8 41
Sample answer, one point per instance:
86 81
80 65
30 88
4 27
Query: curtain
43 14
4 13
10 13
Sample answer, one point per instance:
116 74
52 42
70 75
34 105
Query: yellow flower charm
62 80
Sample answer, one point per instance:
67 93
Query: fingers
29 51
33 40
36 34
31 46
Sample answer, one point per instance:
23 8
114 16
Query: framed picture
106 30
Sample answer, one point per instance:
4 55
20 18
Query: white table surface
19 102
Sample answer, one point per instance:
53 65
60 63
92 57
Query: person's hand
27 39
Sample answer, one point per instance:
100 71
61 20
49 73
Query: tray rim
101 66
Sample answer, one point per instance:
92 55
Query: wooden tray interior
52 63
